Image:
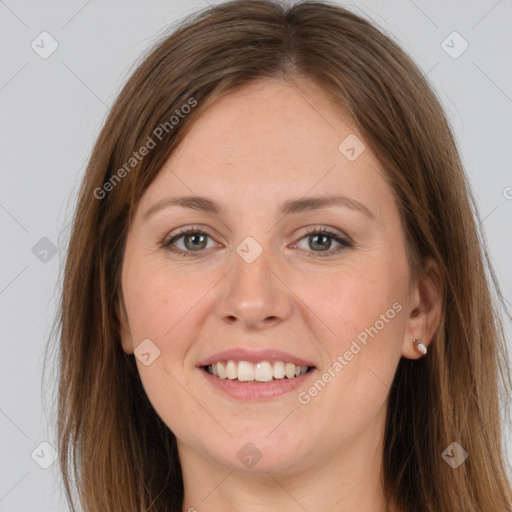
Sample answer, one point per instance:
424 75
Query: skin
251 150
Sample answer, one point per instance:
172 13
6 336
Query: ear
425 310
124 328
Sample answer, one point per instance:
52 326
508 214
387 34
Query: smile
255 375
263 371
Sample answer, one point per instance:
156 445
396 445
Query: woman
275 293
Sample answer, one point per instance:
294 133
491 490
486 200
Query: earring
420 346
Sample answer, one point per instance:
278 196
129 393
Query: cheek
350 302
362 310
158 297
163 306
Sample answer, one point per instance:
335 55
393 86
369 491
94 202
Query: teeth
289 369
231 370
221 369
279 372
245 371
264 371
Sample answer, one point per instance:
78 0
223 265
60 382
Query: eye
321 238
194 241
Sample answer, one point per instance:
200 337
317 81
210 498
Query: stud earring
421 348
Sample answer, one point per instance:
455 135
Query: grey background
52 110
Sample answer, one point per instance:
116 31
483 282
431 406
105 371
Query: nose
253 295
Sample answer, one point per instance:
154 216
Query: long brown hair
112 444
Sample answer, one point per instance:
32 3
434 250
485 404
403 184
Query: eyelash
344 244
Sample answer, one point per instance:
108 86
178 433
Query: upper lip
254 356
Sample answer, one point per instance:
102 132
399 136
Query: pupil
194 245
326 240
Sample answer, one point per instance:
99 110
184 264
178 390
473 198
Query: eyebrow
290 207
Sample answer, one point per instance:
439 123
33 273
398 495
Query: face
275 282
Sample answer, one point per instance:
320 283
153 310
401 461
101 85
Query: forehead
272 139
270 120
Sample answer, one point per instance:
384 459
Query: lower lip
255 390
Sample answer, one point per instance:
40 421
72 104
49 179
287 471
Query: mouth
260 372
255 381
255 375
